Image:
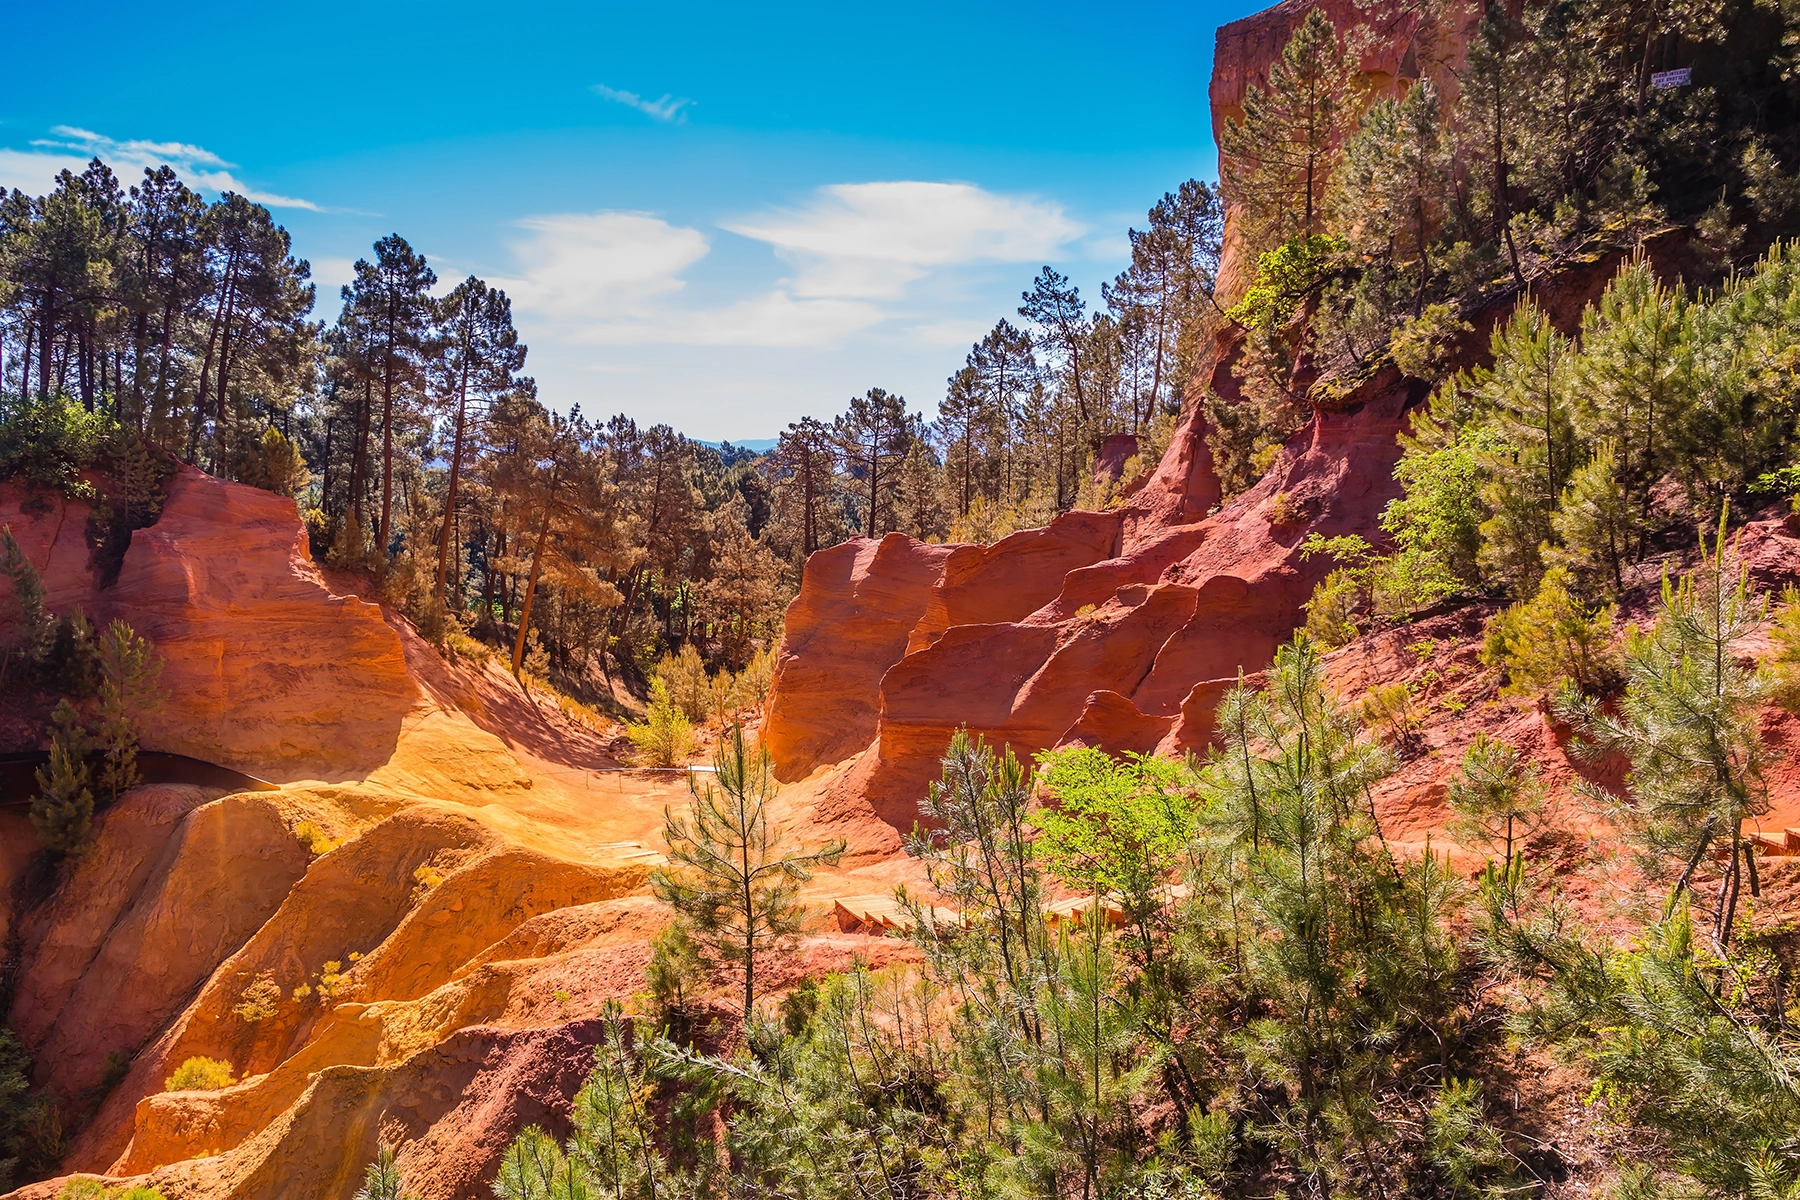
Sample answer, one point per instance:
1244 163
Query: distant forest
146 314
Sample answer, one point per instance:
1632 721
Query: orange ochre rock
413 938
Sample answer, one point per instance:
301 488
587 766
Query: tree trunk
462 405
537 558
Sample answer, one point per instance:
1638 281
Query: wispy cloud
871 240
856 252
669 108
70 148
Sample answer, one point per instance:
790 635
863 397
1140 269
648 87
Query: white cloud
668 108
602 276
872 239
34 170
856 252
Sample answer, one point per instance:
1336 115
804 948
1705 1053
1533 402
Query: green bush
49 442
1552 637
200 1074
1331 613
664 738
684 675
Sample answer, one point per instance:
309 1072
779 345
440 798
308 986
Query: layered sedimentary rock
225 587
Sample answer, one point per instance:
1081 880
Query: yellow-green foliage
1551 637
314 838
664 738
1331 613
93 1189
1785 637
751 686
200 1074
1390 712
259 999
425 878
684 675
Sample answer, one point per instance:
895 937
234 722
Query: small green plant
1552 637
1331 613
200 1074
664 738
1497 797
93 1189
675 974
259 999
1391 713
383 1180
314 838
1423 649
1285 509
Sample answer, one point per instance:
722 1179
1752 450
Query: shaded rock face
224 585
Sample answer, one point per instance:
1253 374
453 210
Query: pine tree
1393 188
1055 306
803 463
390 301
1496 796
34 627
383 1180
481 359
1496 86
1527 397
1636 382
1593 525
1278 159
128 675
1690 724
730 877
63 809
873 435
963 422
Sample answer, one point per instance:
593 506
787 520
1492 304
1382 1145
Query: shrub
684 675
1390 712
664 738
1497 797
1331 611
675 974
63 810
259 999
49 442
273 463
1551 637
200 1074
314 838
1784 635
33 628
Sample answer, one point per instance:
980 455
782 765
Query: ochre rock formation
224 585
474 863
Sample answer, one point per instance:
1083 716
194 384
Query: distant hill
755 445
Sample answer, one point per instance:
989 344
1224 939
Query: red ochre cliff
475 864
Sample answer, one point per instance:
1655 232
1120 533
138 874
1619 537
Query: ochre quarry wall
225 587
1118 629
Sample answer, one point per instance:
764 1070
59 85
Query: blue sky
720 216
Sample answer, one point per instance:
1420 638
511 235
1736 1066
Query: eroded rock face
225 587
